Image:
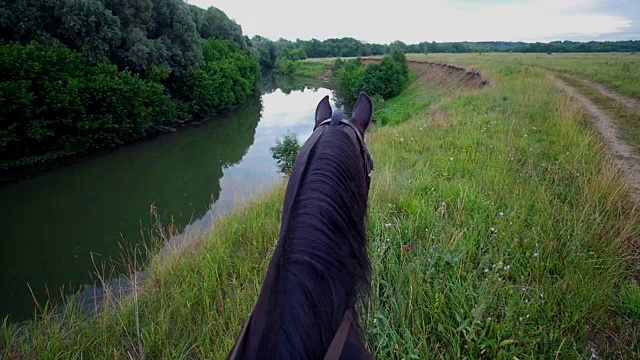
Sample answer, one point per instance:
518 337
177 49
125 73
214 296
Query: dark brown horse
306 308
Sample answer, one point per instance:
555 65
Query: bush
227 78
285 152
386 79
347 79
53 102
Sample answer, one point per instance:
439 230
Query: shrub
53 102
227 78
285 152
386 79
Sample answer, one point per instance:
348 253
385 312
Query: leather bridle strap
337 344
333 352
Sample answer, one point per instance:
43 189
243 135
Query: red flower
406 248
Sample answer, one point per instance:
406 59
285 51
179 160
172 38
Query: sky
414 21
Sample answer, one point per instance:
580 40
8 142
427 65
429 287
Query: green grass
313 69
626 119
620 72
518 230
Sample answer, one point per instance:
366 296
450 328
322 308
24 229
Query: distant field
619 71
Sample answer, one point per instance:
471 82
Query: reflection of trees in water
287 84
106 201
201 160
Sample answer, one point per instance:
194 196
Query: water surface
58 227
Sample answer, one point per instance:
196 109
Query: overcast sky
413 21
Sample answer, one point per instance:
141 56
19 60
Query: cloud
435 20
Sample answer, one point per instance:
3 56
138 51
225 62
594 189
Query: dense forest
77 75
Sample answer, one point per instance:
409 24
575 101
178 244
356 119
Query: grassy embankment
618 72
517 225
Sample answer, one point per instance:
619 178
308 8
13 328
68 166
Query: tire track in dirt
622 153
631 103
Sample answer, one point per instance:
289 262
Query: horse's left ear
323 111
362 112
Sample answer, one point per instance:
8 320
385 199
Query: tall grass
498 229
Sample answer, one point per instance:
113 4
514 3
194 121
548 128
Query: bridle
339 339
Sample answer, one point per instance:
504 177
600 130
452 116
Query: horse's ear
362 112
323 111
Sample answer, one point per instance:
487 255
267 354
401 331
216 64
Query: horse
307 304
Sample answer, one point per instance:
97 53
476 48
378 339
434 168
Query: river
60 227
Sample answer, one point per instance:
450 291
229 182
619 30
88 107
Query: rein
333 352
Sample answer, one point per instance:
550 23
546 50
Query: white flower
535 254
486 271
387 225
506 268
451 159
501 214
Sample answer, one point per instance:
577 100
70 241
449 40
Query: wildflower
535 254
402 139
489 319
501 214
506 268
500 264
486 270
406 248
537 244
387 225
524 289
451 159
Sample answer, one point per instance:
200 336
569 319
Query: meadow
498 228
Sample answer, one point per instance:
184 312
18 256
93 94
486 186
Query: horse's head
356 127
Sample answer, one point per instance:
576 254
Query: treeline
349 47
77 75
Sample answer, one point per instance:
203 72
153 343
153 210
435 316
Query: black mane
320 263
324 261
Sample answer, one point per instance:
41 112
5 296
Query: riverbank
493 212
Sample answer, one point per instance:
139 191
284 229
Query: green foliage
133 34
337 65
347 78
227 78
629 302
285 152
386 79
53 101
287 63
265 50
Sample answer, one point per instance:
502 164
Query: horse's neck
305 292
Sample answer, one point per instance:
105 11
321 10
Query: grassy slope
517 226
620 72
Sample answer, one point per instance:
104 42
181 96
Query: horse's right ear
323 111
362 112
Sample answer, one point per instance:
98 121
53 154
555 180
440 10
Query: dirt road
622 153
